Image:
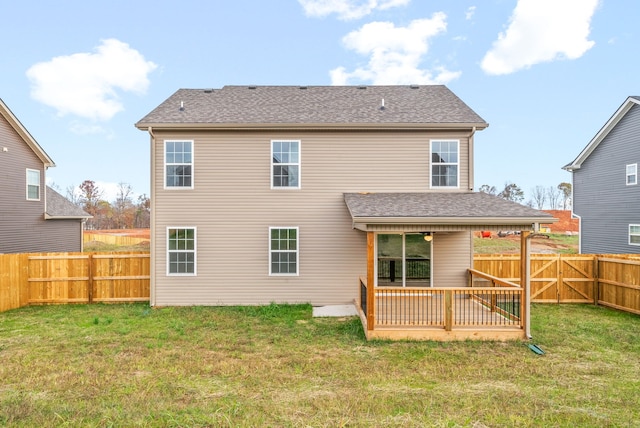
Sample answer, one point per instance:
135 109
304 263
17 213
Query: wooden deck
487 313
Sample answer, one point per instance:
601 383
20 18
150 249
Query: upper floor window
634 234
33 185
178 164
181 251
632 173
283 251
445 163
285 164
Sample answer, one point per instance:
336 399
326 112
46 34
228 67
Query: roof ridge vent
362 87
303 87
252 87
414 86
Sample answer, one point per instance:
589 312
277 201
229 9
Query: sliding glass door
403 259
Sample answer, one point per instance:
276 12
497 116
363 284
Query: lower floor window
283 250
181 251
634 234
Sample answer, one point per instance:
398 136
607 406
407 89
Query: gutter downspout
470 158
152 222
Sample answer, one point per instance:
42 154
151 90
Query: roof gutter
330 126
479 221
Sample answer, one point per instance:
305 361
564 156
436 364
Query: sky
545 74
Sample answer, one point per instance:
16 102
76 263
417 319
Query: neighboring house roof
25 135
604 131
59 207
470 208
431 106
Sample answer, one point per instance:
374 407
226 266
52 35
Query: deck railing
488 302
390 269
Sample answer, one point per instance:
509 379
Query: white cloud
541 31
87 84
395 53
347 9
470 12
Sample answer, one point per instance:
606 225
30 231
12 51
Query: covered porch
430 291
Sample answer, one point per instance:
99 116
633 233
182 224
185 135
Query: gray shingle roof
322 105
454 205
59 206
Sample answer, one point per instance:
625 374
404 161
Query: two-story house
292 193
606 192
33 217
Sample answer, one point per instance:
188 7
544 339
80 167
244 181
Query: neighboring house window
283 250
178 163
444 163
634 234
33 185
632 174
285 164
181 251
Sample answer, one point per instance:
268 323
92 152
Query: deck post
371 295
448 310
525 284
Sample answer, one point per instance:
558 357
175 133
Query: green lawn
130 365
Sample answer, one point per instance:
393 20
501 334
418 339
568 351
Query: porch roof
431 209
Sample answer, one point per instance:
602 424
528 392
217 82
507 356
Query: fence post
596 282
90 278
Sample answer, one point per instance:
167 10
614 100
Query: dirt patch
134 233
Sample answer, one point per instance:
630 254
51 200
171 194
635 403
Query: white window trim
297 251
630 226
634 166
164 165
39 185
299 164
195 251
431 164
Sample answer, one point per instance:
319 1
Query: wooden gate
576 279
555 278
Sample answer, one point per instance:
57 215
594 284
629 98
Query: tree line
551 197
125 212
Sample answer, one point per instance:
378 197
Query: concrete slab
335 311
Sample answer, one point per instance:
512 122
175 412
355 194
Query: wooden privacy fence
28 279
605 279
112 238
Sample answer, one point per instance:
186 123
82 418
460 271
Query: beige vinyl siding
452 256
233 206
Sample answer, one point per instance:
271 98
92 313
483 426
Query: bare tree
553 196
123 209
565 190
539 195
485 188
90 196
73 195
511 192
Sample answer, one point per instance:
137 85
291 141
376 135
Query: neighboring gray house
289 194
606 192
33 217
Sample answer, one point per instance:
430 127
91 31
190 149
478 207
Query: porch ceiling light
427 236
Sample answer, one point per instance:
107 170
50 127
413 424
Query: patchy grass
557 243
131 365
98 246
